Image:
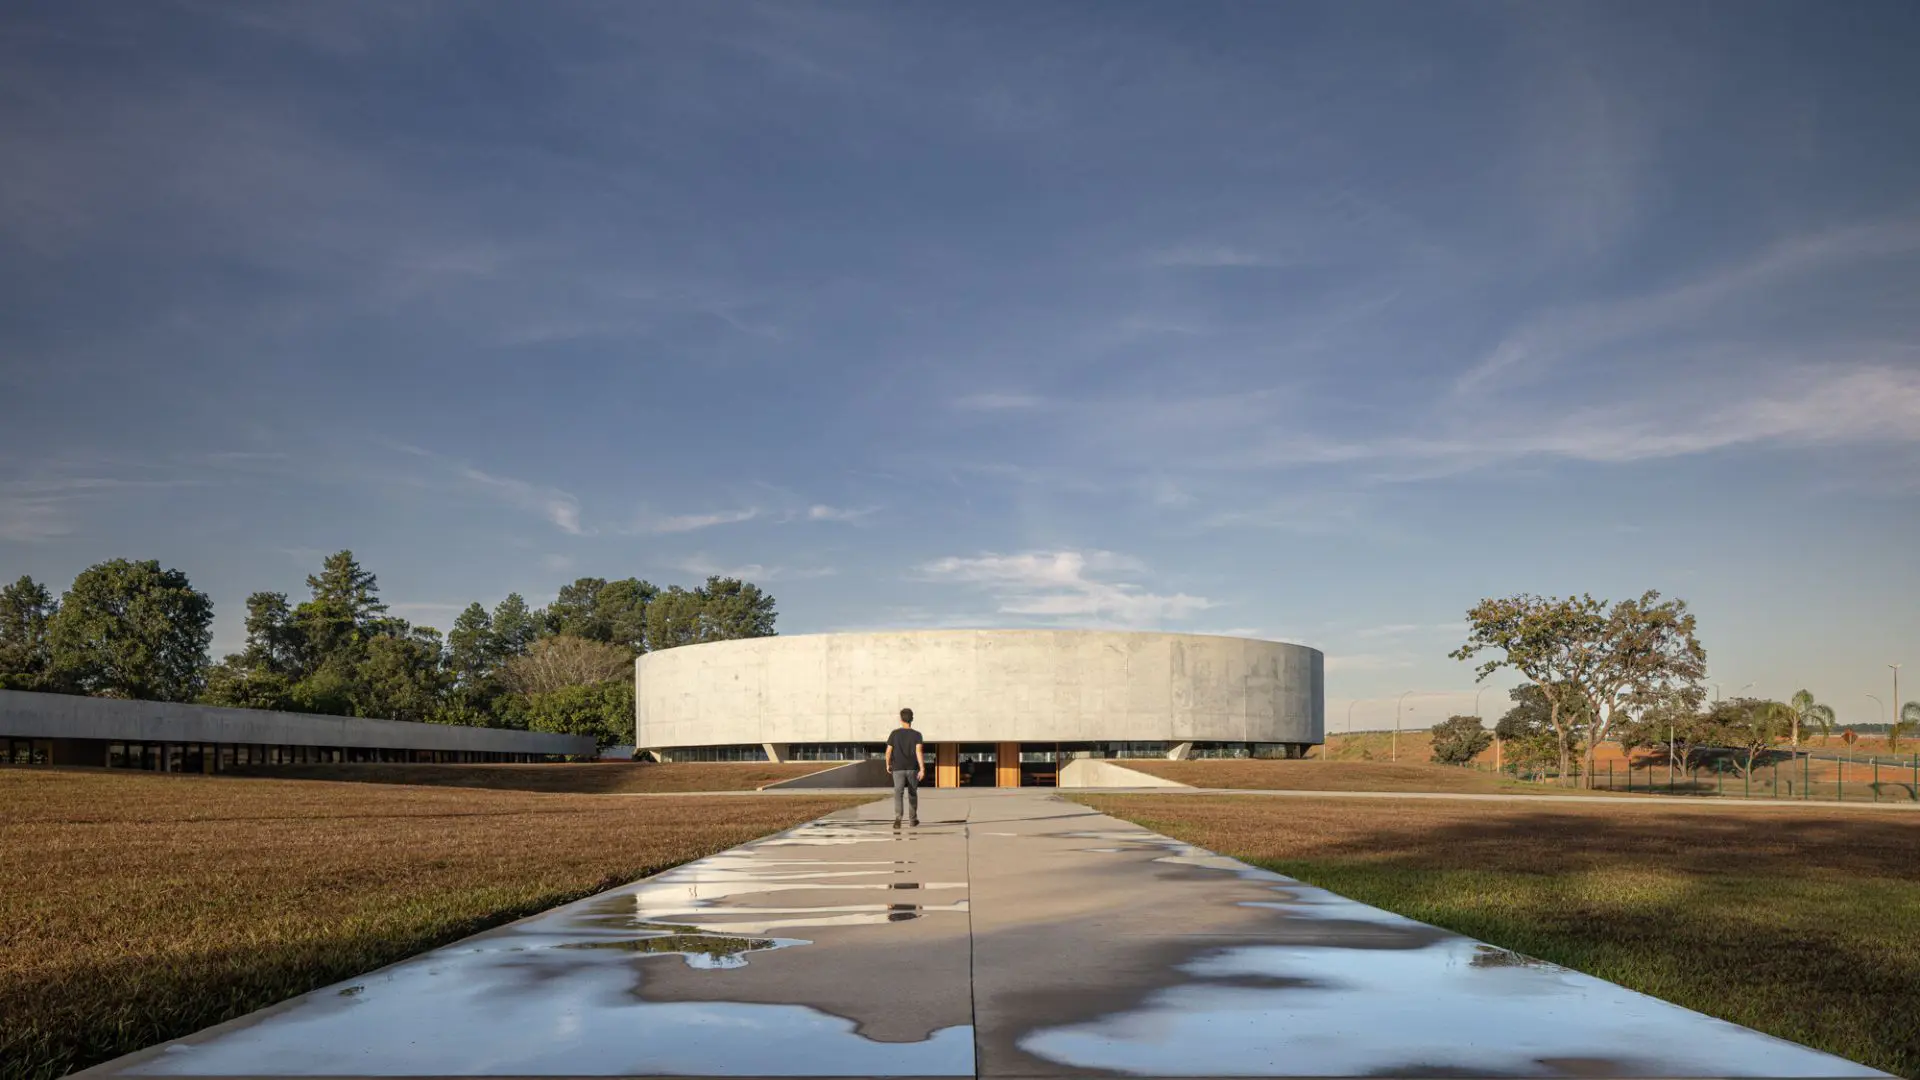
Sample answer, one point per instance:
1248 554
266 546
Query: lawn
1798 922
596 778
1313 775
140 907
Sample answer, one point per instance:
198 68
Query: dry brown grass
594 778
1796 921
1313 775
139 907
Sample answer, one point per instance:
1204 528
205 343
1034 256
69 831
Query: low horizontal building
61 729
1000 708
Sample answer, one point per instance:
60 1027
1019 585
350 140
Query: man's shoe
896 823
914 823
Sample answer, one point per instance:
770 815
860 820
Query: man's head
906 717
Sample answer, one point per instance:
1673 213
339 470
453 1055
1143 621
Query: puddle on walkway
1448 1006
583 1021
707 952
560 994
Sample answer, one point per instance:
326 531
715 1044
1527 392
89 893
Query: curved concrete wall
982 686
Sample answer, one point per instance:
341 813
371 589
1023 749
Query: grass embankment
141 907
1340 776
1796 922
595 778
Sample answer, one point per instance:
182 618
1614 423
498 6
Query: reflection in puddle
706 952
1451 1007
565 993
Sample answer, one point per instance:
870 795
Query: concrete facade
1027 686
81 723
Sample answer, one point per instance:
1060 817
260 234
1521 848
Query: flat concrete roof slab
1012 935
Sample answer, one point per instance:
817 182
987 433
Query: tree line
1629 671
128 629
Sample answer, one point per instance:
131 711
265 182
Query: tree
724 609
603 710
514 627
1457 740
1599 664
401 677
26 614
599 610
736 609
472 652
132 630
564 660
1809 713
237 684
275 642
1681 732
1550 642
1751 727
1909 721
1526 733
344 612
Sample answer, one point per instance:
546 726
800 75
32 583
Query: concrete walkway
1012 935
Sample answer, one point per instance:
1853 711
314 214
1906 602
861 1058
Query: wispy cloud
823 512
686 523
50 507
561 509
700 566
1570 334
999 402
1205 257
1067 585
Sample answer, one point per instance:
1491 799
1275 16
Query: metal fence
1778 775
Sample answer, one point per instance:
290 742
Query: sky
1313 322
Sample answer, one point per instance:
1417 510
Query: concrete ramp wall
869 773
1095 773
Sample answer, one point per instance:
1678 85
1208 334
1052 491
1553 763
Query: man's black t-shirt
903 742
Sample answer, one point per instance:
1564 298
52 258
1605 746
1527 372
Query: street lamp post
1893 715
1476 700
1394 755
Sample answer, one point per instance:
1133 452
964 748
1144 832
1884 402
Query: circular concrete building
996 707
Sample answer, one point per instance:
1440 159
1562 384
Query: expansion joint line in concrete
973 984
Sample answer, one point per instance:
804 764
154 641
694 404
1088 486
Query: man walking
906 761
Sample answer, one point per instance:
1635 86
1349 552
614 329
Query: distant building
1000 708
60 729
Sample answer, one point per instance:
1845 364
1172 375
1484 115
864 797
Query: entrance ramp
1099 773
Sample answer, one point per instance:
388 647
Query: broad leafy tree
132 630
26 617
1599 665
1551 642
603 710
1457 740
1750 727
401 677
1526 732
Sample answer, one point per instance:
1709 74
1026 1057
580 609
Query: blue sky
1315 322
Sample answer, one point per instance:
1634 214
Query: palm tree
1909 720
1810 713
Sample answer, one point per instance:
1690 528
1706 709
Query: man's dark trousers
906 782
